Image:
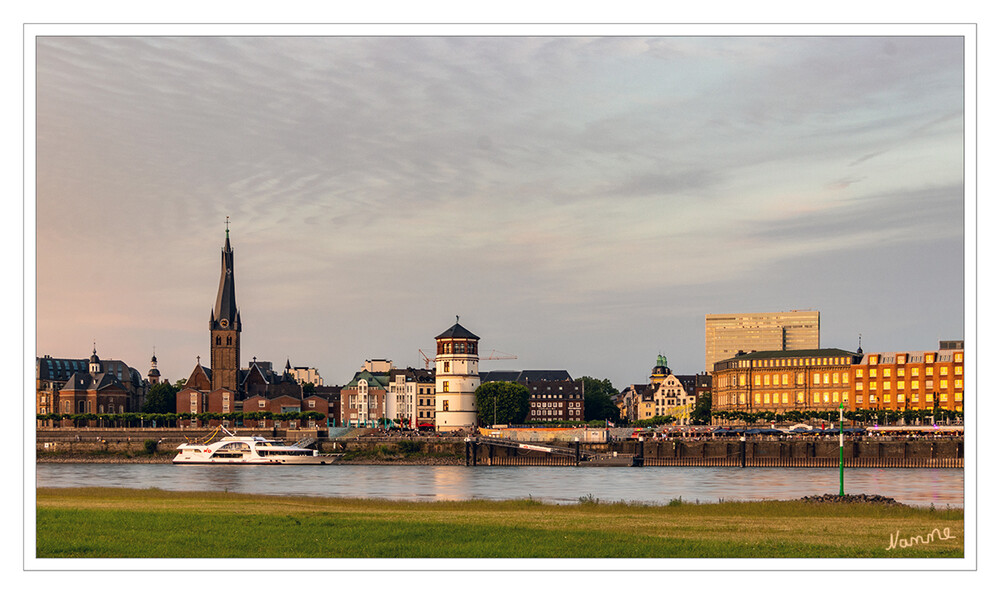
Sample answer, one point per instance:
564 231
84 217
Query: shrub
409 446
149 446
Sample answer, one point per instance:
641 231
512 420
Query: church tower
225 326
457 377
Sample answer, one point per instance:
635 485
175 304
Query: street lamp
841 407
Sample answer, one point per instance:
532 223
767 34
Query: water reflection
553 484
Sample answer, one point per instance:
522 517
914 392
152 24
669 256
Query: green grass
121 523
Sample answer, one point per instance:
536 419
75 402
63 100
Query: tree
179 384
597 403
162 398
502 403
308 389
702 413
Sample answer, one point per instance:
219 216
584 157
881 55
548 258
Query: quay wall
873 452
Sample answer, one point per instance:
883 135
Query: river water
559 484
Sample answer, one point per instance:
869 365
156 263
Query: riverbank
127 523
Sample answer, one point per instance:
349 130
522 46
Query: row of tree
858 416
170 419
507 403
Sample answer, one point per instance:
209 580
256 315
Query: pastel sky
582 203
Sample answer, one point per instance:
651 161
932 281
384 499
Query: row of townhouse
666 394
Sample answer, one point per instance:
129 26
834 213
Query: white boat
233 449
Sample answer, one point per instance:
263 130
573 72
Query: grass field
124 523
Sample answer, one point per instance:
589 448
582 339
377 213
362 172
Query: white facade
307 375
457 377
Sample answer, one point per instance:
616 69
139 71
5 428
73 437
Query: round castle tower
457 377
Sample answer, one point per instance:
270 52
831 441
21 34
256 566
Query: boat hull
302 460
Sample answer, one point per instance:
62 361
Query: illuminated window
800 397
899 397
958 357
929 358
444 405
885 385
858 372
815 378
784 398
944 384
816 398
826 378
928 371
858 399
900 372
843 378
872 372
958 396
958 370
914 385
886 372
885 398
900 385
444 388
858 386
914 371
836 396
784 379
871 385
767 380
873 360
802 378
929 398
958 384
900 359
447 367
826 397
915 398
774 379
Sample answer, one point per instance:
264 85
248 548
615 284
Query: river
657 485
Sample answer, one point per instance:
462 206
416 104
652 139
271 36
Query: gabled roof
456 331
380 380
528 375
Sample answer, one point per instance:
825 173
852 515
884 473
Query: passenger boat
233 449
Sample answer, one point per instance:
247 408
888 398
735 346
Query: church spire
226 315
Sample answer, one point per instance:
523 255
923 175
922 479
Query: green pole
841 449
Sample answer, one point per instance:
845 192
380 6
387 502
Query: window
885 385
218 341
444 387
312 404
826 397
447 367
914 371
756 380
858 372
843 378
800 397
826 378
944 384
958 396
858 386
262 404
958 370
872 372
928 371
767 380
767 399
900 385
229 341
784 397
873 360
914 385
900 372
886 372
858 399
815 378
958 384
444 405
816 398
958 357
929 358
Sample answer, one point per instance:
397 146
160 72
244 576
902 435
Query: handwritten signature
896 541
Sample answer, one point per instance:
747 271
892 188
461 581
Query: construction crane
493 355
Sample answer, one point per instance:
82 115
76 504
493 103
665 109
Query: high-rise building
456 378
728 334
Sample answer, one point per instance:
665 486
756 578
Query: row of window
797 362
914 385
901 371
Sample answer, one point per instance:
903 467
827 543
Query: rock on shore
862 498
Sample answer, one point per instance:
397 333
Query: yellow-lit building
910 380
780 381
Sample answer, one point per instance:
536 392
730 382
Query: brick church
225 387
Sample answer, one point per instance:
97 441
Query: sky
581 202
